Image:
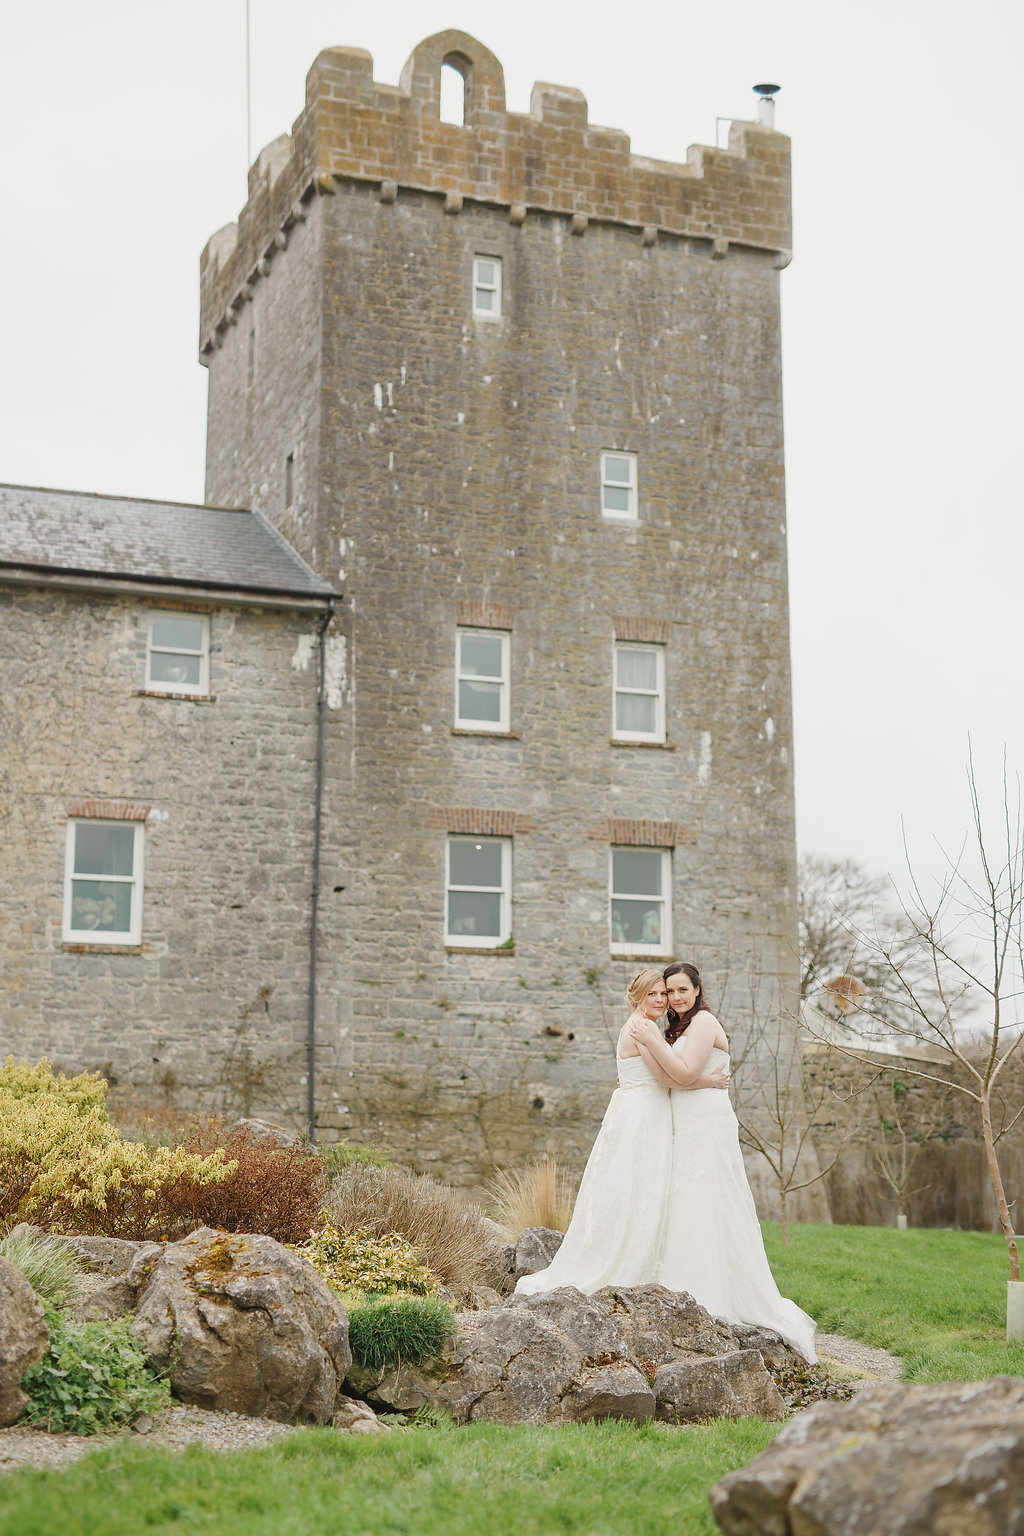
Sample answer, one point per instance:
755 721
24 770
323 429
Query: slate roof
75 533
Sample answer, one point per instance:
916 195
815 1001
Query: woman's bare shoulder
713 1025
705 1020
626 1046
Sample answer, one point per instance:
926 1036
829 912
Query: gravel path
871 1364
175 1428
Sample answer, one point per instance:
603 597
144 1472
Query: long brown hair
678 1026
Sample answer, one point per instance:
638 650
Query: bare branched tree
841 906
778 1106
967 1004
838 899
897 1144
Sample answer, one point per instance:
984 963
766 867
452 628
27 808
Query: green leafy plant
48 1265
363 1262
93 1377
384 1331
339 1155
426 1416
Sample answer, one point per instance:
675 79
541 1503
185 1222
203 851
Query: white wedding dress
617 1230
713 1246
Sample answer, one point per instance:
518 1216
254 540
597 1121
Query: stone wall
949 1180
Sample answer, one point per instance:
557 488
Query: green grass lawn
936 1298
590 1479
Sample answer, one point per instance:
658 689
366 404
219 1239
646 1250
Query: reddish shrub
278 1191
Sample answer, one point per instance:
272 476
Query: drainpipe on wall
315 905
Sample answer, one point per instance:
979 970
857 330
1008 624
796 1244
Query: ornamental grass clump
361 1261
446 1230
47 1263
386 1331
540 1194
93 1377
64 1166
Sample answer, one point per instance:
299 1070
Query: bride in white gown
712 1242
617 1231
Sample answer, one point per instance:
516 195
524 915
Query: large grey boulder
893 1461
733 1386
661 1325
505 1366
114 1272
240 1323
24 1338
564 1357
534 1250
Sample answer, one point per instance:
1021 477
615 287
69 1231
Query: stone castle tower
517 394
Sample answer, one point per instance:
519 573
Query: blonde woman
712 1246
617 1229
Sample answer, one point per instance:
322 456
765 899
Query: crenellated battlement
551 160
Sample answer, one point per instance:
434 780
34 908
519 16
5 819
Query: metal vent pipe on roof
766 103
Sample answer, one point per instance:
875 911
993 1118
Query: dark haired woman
713 1245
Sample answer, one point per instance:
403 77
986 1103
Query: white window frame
476 940
622 947
74 935
481 287
161 685
631 515
658 692
500 725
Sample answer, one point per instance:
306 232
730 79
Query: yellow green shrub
64 1166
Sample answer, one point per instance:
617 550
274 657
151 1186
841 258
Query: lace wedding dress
713 1244
618 1223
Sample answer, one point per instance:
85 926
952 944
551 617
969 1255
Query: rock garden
241 1273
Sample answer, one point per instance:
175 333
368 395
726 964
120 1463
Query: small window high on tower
618 486
453 96
487 287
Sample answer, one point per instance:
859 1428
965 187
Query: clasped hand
647 1033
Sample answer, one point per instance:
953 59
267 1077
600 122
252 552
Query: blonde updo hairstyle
643 981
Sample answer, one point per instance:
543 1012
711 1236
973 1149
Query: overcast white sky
124 131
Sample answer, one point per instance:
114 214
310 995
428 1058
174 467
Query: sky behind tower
125 127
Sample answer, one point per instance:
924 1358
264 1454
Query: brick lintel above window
638 832
484 615
652 631
480 823
108 810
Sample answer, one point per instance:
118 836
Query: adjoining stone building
158 720
517 394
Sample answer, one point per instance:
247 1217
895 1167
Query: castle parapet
550 160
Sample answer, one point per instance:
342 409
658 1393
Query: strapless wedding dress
713 1244
618 1223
